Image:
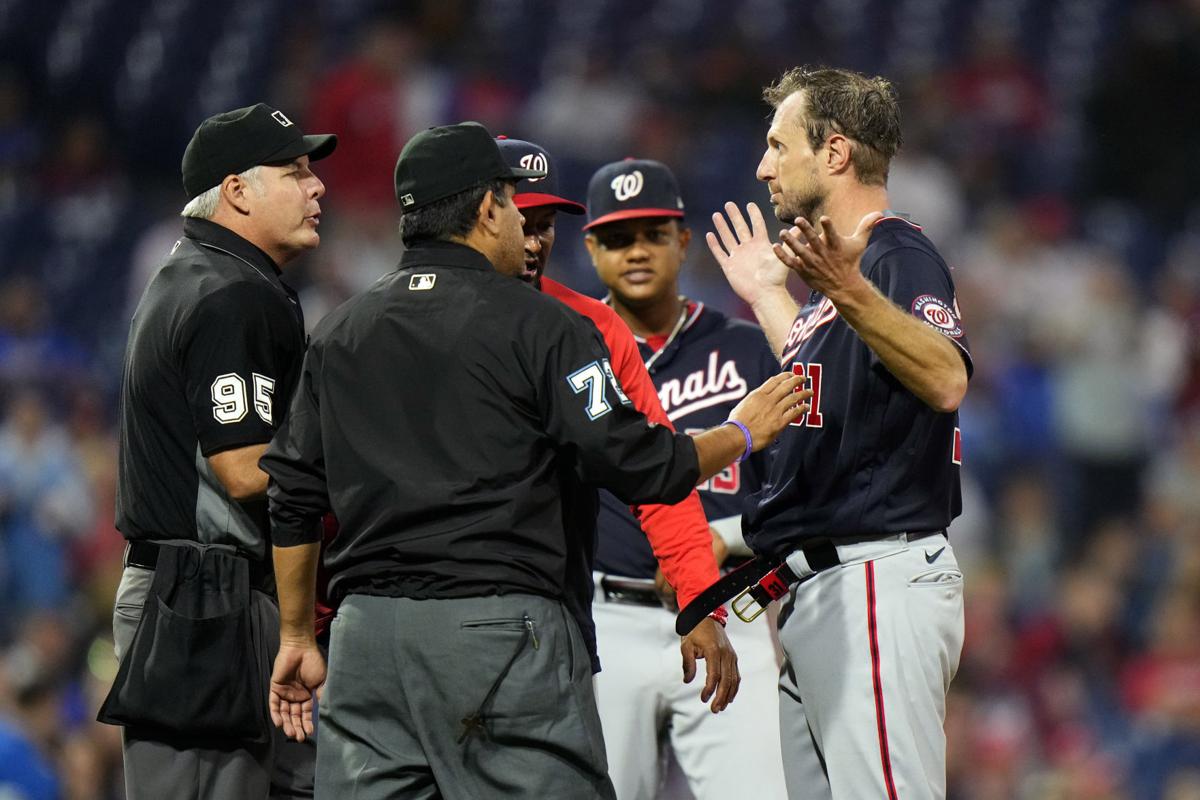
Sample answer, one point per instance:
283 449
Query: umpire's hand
299 674
709 642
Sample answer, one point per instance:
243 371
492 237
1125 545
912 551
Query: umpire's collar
209 233
444 254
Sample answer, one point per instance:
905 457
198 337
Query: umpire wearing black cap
214 351
446 417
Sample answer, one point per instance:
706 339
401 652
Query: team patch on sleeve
937 313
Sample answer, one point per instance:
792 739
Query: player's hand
826 260
721 678
745 253
299 673
768 409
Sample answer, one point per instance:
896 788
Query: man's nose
766 169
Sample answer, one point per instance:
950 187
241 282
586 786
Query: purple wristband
745 432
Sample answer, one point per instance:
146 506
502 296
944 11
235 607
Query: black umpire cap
631 189
449 159
234 141
535 192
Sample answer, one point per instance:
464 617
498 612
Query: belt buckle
770 587
740 610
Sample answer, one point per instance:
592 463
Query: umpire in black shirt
447 417
214 351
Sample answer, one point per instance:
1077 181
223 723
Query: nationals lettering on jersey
869 458
700 374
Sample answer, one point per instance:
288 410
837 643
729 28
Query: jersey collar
207 232
444 254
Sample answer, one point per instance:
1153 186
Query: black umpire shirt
448 417
214 350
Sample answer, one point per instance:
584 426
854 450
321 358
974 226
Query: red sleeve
678 534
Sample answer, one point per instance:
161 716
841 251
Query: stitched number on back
229 398
264 389
591 379
813 418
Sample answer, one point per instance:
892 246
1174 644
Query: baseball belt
144 553
762 580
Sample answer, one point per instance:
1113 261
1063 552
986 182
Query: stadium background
1050 153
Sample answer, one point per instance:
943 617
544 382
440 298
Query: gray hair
204 205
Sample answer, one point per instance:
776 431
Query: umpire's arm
298 496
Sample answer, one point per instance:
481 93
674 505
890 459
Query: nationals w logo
535 161
627 185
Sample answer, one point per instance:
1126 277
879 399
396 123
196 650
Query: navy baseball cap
232 142
535 192
632 189
443 161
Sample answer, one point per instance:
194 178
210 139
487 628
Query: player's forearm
926 362
296 581
679 536
717 448
776 311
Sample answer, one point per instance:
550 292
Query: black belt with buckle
628 590
762 580
144 553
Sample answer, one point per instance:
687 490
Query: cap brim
540 200
634 213
519 173
315 146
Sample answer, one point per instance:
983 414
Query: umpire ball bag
192 668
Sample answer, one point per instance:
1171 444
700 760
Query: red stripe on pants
880 719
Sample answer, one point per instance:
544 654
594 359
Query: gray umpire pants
158 768
468 698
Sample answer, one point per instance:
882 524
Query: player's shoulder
898 237
600 313
711 322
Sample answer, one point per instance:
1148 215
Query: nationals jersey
701 372
869 458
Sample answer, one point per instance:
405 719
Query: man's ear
838 150
685 237
488 214
593 246
235 192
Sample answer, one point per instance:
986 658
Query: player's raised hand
299 673
826 260
769 409
745 253
708 641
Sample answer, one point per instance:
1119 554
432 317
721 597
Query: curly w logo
628 185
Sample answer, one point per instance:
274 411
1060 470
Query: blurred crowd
1049 154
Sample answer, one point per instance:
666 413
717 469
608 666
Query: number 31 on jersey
811 372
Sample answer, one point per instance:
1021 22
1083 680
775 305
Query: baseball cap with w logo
632 189
535 192
234 141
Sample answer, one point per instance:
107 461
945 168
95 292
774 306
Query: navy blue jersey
701 373
870 457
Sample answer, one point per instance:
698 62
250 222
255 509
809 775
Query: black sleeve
240 348
585 412
298 495
919 284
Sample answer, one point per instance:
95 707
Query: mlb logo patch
422 282
279 117
407 200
